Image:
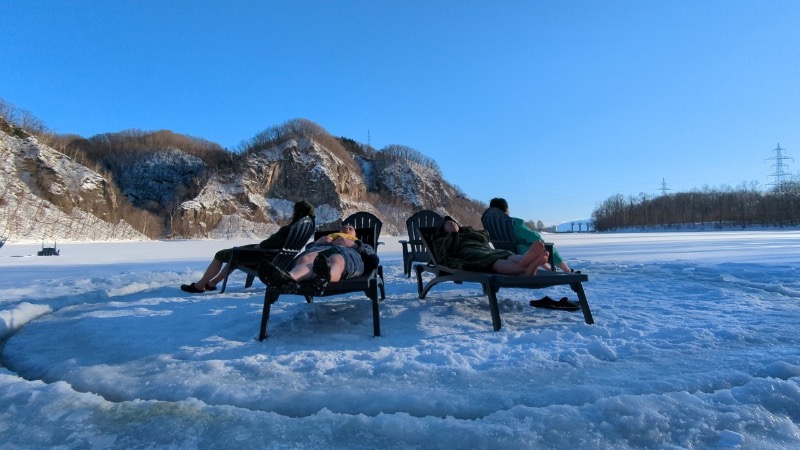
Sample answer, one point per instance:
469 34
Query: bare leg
532 254
508 266
539 261
213 269
337 264
517 258
302 269
220 276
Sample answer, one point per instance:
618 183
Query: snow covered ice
695 345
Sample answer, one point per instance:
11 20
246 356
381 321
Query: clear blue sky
554 105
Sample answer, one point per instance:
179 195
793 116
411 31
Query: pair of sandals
193 290
563 305
274 276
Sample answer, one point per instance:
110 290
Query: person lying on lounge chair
523 234
216 272
463 248
331 258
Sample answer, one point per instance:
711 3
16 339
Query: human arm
364 249
324 240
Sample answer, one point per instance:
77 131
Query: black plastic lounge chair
414 249
247 258
49 251
368 230
501 233
492 282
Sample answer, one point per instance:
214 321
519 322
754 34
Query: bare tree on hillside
299 129
403 153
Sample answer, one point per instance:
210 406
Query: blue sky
555 106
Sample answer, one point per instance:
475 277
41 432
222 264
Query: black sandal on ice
190 289
563 305
544 302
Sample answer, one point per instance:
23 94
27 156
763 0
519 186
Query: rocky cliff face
194 200
45 195
299 169
160 179
302 169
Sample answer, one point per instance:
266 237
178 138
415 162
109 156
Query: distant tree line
726 207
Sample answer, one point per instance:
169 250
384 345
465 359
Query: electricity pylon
780 174
664 187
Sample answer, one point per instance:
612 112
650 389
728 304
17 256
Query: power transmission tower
780 174
664 187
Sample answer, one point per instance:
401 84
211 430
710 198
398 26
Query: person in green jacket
216 272
524 235
464 248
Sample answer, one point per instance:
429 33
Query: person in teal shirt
524 235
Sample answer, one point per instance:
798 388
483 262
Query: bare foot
539 261
532 254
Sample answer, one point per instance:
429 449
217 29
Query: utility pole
664 187
780 168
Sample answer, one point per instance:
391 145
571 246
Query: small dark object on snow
48 251
564 304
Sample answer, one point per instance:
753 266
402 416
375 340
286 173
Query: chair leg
249 281
493 307
231 268
270 297
376 315
587 313
418 269
381 285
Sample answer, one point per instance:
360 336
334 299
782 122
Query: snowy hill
46 196
167 192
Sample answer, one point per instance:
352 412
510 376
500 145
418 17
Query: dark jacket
301 209
278 239
467 249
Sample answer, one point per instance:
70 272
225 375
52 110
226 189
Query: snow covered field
695 345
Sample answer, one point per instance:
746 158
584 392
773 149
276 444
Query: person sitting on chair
216 273
331 258
464 248
524 235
